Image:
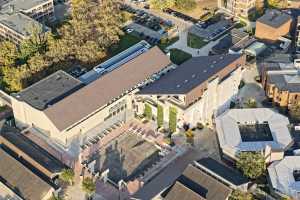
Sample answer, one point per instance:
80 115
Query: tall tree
8 53
162 4
172 119
148 111
36 43
160 116
88 186
252 164
67 175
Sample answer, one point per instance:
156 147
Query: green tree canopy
185 4
240 195
67 175
162 4
148 111
252 164
160 116
8 54
172 119
88 186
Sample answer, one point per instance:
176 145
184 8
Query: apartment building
273 25
64 108
199 89
18 16
282 83
239 8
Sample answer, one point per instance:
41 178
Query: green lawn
195 42
125 42
167 42
178 57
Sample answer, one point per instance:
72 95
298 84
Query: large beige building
199 89
65 109
239 8
18 16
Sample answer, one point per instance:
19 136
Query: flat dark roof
194 184
274 18
20 179
229 174
190 74
28 147
49 90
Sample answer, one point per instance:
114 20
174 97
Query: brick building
273 25
282 83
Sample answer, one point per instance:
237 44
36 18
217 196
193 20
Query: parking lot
147 24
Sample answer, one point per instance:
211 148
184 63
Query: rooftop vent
221 57
212 66
178 86
214 62
205 71
186 81
194 75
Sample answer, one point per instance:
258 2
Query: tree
8 54
185 4
67 175
172 119
277 3
239 195
36 43
88 186
55 198
252 164
148 111
294 111
251 103
260 6
160 116
161 4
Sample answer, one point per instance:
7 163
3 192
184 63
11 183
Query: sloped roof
23 181
194 184
92 97
281 175
190 74
227 125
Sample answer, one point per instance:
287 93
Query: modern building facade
239 8
20 182
273 25
199 89
17 17
281 82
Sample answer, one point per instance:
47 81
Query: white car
129 30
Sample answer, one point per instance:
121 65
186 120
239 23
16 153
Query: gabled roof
97 94
27 147
20 179
194 184
234 177
190 74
